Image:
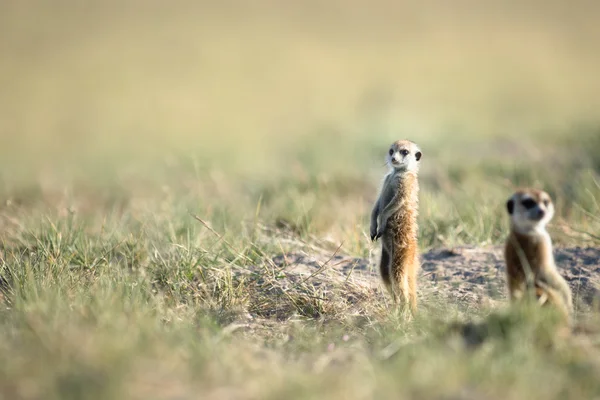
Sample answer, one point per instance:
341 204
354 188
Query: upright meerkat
397 209
528 251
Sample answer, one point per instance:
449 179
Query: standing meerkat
528 251
394 220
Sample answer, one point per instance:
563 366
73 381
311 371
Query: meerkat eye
391 152
510 206
404 152
528 203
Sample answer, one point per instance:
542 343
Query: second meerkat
394 220
528 251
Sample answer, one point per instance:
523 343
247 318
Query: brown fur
399 262
530 262
400 241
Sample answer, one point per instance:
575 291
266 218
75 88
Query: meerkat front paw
380 232
374 232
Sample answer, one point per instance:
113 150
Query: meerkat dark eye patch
418 155
391 151
528 203
404 152
510 206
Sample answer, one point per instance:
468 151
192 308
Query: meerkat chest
402 225
529 252
400 217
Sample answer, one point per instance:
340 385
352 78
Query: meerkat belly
401 230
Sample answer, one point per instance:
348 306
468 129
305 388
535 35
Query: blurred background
277 88
78 77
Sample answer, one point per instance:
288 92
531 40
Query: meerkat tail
384 267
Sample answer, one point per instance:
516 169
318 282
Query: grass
148 181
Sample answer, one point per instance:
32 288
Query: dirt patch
472 277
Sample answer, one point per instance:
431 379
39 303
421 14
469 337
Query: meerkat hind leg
401 289
542 298
412 283
407 297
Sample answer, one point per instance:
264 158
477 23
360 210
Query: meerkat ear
418 155
510 205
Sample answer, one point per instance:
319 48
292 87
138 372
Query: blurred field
118 120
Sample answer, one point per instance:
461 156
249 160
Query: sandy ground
473 277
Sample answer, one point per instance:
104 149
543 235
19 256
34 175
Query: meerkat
394 220
528 252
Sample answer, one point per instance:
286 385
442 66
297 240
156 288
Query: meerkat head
530 210
404 155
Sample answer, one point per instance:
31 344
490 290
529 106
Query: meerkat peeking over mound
528 251
394 220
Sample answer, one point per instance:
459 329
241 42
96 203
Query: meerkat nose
541 214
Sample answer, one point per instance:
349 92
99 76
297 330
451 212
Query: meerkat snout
540 214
